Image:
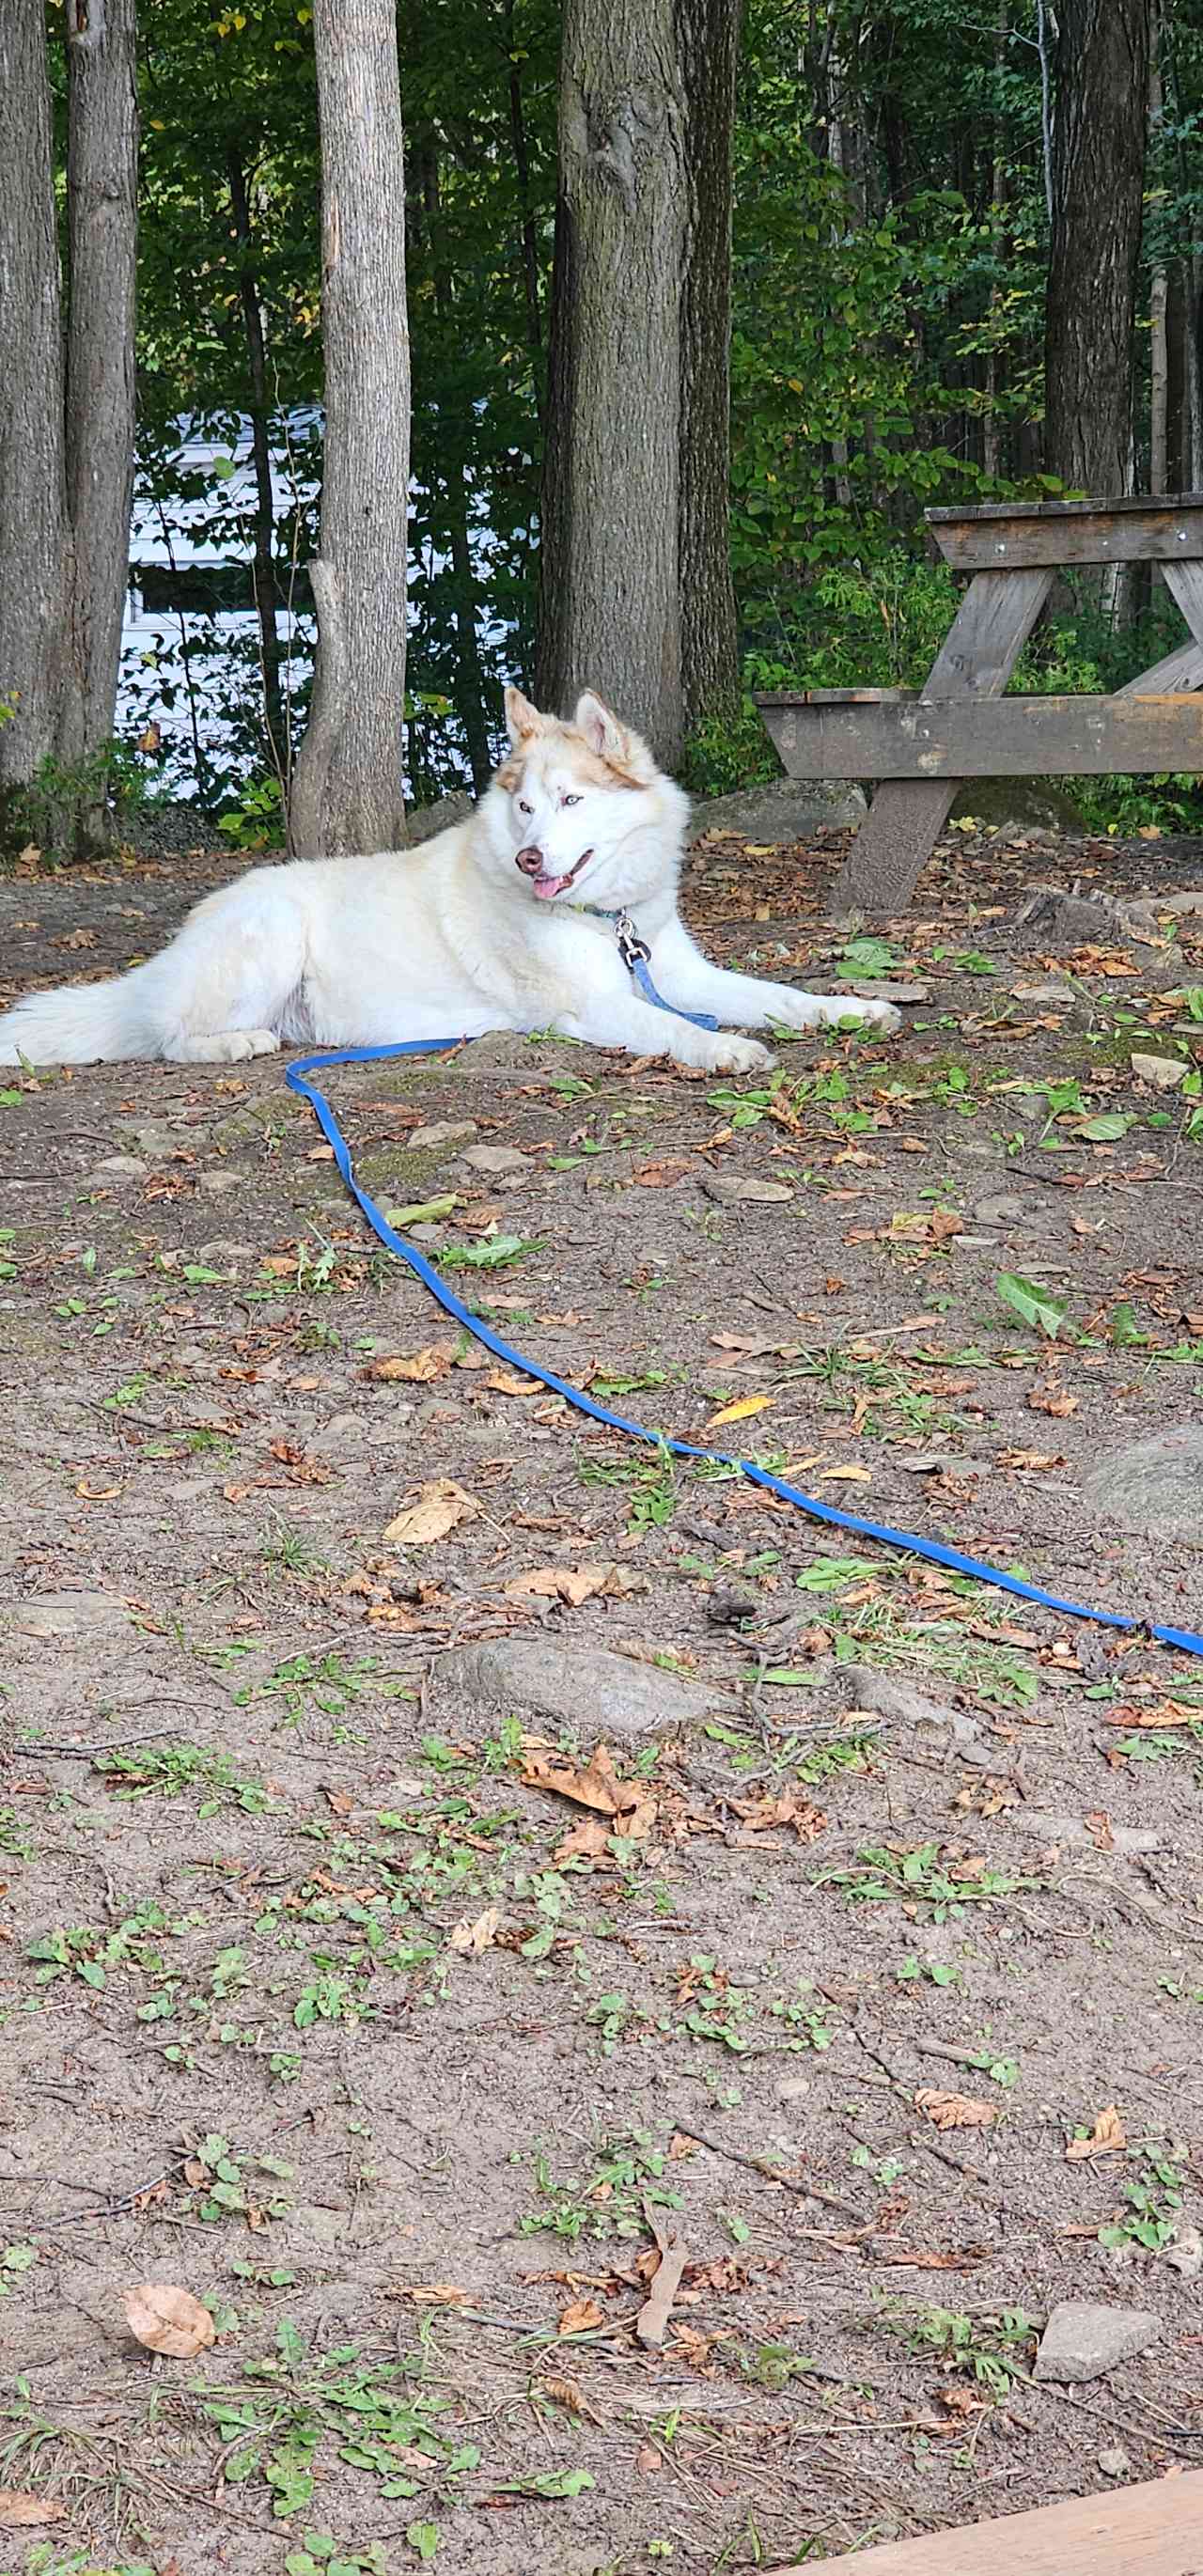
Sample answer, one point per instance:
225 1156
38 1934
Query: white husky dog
506 921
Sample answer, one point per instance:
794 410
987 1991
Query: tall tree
1098 158
635 484
347 786
67 423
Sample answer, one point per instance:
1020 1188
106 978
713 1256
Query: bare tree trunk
265 499
530 237
609 609
102 265
991 426
1099 134
347 787
709 31
33 496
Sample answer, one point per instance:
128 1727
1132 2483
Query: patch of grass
182 1771
996 2351
626 2177
887 1874
1152 2202
327 1683
374 2412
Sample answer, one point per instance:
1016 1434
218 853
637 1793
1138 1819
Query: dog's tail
78 1024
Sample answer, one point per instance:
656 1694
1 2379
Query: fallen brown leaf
1107 2138
629 1803
954 2110
430 2294
589 1840
571 1583
436 1509
472 1938
21 2509
338 1802
418 1368
651 2324
509 1382
767 1815
167 2319
581 2316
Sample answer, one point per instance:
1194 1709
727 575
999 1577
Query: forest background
966 261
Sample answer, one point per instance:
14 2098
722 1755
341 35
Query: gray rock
1153 1484
787 809
1048 1826
426 820
66 1614
444 1131
214 1184
121 1167
586 1688
497 1160
1001 1208
1185 2254
1115 2463
1083 2340
1006 805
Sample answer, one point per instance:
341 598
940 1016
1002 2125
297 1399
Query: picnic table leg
976 659
1184 582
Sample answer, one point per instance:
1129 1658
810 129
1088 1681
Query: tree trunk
102 268
709 31
992 450
347 788
609 610
526 206
33 497
275 722
1099 133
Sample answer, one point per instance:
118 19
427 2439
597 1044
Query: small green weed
995 2352
888 1874
182 1771
627 2175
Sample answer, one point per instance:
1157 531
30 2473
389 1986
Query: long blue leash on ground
932 1550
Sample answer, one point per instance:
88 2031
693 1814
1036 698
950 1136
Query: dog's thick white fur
479 928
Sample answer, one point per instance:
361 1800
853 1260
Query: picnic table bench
922 744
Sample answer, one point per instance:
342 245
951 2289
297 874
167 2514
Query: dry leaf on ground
652 2321
21 2509
167 2319
431 1513
418 1368
430 2294
743 1407
581 2316
767 1815
472 1938
954 2110
509 1382
571 1583
1107 2138
629 1803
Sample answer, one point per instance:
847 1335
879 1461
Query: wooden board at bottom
1155 2529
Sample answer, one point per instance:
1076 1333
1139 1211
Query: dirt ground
344 1990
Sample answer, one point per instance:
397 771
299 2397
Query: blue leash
932 1550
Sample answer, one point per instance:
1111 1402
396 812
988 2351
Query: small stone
1185 2253
64 1614
728 1191
1084 2340
1164 1072
214 1184
444 1131
783 811
1152 1484
1001 1207
867 989
587 1689
121 1167
497 1159
1115 2463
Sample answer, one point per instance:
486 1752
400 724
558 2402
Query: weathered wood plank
1119 504
953 738
976 659
1184 582
1180 670
1155 2529
1088 533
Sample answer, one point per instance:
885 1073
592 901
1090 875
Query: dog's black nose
530 861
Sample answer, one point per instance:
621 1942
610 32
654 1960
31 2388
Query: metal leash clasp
630 946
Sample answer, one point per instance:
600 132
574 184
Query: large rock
1005 805
1084 2341
66 1614
582 1687
1153 1484
787 809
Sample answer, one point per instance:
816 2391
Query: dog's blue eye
572 800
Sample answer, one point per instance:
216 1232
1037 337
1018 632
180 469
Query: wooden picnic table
923 744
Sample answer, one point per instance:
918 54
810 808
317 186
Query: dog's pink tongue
547 887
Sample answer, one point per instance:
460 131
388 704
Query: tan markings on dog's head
510 773
625 758
522 719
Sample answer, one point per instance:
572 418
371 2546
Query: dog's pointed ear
602 731
522 719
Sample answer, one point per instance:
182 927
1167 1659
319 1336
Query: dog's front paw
728 1053
878 1015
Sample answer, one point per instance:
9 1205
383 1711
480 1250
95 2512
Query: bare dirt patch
349 1990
